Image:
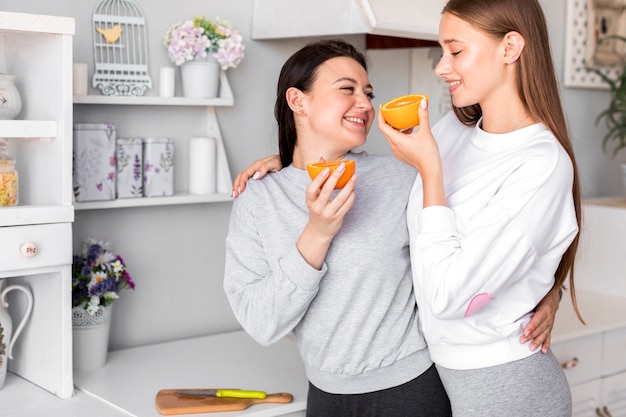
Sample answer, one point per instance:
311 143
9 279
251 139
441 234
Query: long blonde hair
536 78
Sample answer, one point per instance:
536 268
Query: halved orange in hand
315 168
401 112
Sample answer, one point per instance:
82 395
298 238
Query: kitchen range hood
414 19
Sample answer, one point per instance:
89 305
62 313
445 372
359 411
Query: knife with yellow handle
222 393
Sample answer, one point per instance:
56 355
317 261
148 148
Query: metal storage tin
158 167
129 156
94 161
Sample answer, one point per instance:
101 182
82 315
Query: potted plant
98 277
199 44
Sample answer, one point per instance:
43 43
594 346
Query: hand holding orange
401 112
316 168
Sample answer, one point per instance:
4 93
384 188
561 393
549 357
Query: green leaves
615 115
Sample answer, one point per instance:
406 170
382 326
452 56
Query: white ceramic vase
10 99
201 78
90 338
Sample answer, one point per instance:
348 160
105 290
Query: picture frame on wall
606 20
587 21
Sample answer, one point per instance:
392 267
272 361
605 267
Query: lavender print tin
129 155
158 167
94 161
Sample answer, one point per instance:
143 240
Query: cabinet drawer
52 245
586 397
583 355
614 352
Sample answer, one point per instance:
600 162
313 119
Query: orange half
401 112
315 168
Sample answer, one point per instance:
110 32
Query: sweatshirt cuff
296 269
435 219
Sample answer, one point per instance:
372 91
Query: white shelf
225 98
33 23
153 101
224 180
153 201
27 215
28 128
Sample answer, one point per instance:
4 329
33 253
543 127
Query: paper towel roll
167 77
202 165
79 79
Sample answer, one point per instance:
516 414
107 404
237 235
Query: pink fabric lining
477 303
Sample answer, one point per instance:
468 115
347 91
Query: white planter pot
201 79
90 340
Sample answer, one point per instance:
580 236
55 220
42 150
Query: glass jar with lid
8 177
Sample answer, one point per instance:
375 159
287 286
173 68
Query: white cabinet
594 355
275 19
597 380
38 51
108 109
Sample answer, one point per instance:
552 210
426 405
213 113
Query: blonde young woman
494 214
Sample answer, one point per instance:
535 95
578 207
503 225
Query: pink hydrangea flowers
200 38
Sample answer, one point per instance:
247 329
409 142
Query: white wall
175 253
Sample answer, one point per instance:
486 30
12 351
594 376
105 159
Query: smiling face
472 62
336 114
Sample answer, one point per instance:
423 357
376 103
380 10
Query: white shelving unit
41 142
224 179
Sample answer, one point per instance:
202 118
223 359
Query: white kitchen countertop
132 377
127 384
601 312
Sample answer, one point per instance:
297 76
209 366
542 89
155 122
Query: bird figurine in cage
120 48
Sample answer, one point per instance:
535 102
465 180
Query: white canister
167 82
129 167
94 161
158 167
79 79
202 165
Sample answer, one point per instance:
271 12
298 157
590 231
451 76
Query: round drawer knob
28 249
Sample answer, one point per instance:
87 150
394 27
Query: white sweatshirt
482 264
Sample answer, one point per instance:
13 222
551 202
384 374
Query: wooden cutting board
169 403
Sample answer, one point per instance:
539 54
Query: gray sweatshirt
355 320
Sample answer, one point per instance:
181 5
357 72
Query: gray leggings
534 386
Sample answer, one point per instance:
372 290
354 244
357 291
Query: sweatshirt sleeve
268 298
521 234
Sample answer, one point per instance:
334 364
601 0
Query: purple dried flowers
98 276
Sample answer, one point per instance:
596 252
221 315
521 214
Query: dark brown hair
299 71
536 79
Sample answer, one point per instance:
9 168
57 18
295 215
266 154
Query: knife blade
223 393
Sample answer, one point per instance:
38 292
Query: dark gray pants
422 397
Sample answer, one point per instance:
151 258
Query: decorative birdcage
120 49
